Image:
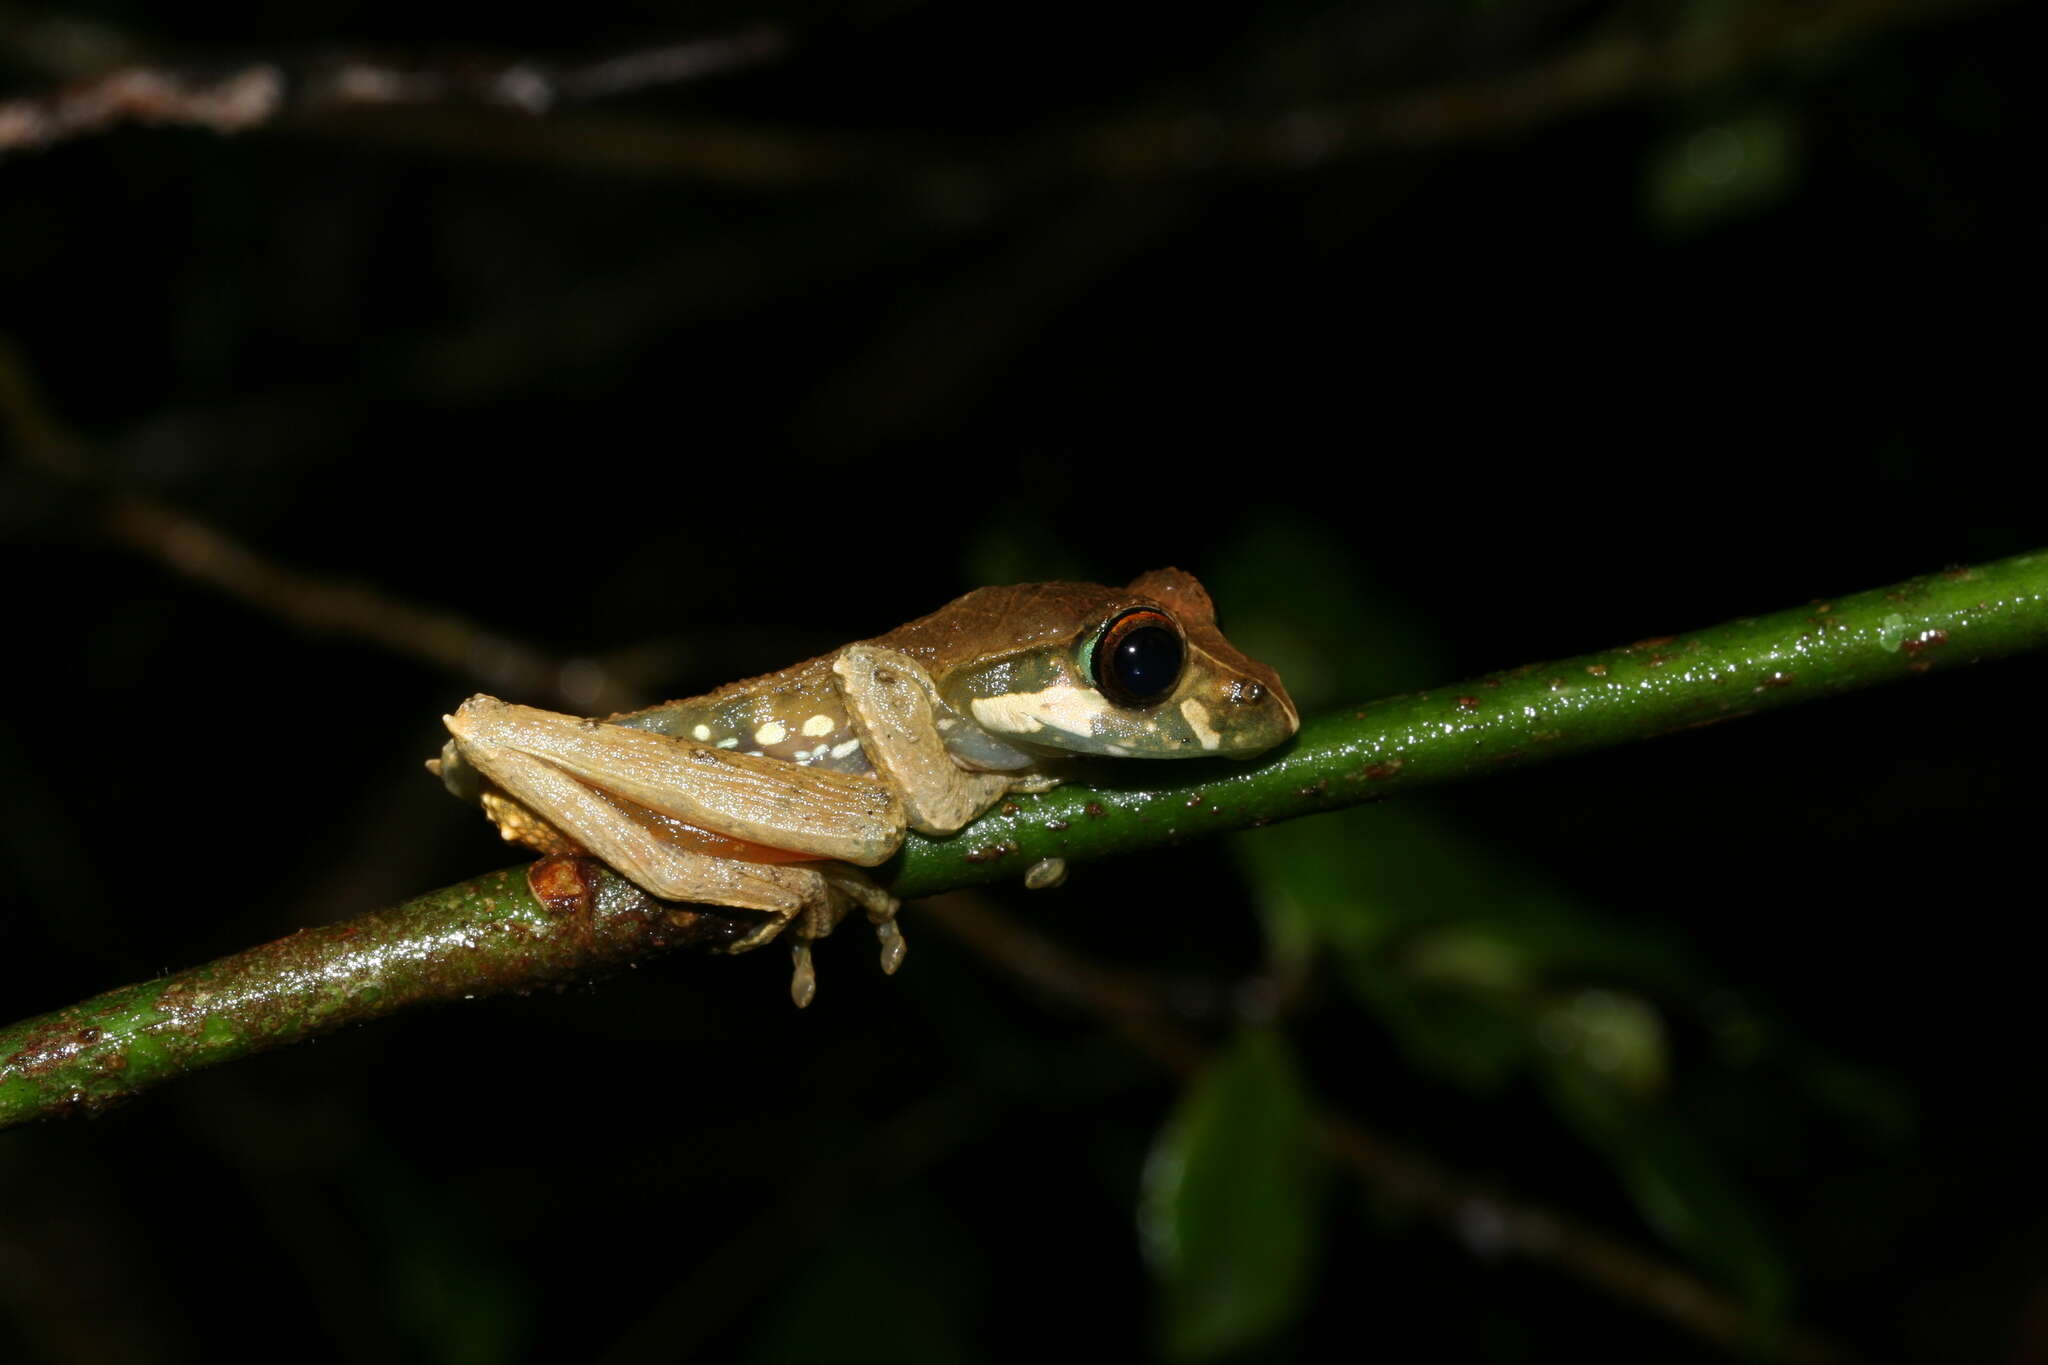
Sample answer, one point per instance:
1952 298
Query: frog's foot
1045 874
823 895
881 909
803 977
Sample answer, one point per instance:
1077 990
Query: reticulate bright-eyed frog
769 794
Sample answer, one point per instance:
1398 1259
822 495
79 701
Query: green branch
569 918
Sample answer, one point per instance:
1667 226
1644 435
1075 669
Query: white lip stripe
1197 717
1071 709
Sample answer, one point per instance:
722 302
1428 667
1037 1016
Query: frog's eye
1139 657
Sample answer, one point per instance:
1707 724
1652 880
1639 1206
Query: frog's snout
1247 713
1266 699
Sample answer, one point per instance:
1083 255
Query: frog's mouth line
1188 728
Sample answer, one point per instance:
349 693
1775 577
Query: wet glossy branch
1524 715
559 920
565 919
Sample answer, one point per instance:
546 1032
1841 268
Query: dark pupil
1146 663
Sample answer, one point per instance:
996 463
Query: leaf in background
1291 596
1615 1035
895 1282
1674 1179
1023 548
1366 878
1230 1209
452 1295
1722 169
1477 1039
1478 971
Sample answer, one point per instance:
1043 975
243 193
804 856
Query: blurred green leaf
1229 1213
1364 878
1447 943
1612 1034
1722 169
1291 596
458 1305
895 1284
1022 548
452 1293
1475 1038
1480 973
1674 1180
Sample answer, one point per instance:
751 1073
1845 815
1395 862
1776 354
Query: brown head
1134 672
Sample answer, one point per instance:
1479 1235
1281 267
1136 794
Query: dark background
1573 364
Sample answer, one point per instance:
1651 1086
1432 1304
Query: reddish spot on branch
564 885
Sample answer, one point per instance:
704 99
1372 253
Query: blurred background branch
228 96
1407 1181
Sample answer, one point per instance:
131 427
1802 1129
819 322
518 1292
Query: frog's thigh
889 696
798 809
638 850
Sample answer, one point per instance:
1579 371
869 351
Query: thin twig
243 96
315 603
813 1198
1484 1220
337 606
1609 69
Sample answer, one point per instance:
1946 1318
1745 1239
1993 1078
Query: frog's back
797 714
1001 620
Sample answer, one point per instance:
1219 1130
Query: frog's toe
803 980
1045 874
766 932
891 935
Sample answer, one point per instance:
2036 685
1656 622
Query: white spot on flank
842 750
1197 718
728 744
1019 713
702 732
774 732
1117 750
820 724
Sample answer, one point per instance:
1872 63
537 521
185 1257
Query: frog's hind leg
807 900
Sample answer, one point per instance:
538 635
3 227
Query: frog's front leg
894 707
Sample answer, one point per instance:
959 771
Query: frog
771 795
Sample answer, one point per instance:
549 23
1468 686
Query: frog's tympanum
770 794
